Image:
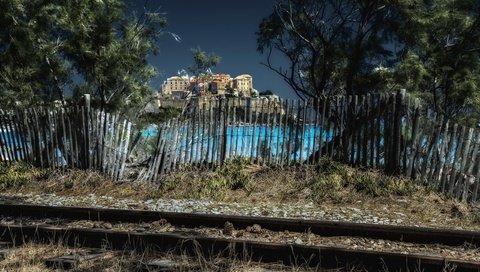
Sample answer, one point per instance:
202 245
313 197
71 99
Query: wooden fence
73 137
391 132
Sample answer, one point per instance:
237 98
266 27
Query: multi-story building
219 83
243 84
177 87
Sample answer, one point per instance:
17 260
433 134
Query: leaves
49 46
202 69
431 48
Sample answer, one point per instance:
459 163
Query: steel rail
420 235
193 244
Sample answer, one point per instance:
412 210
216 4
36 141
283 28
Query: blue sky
225 27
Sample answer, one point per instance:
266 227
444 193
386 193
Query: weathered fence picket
387 131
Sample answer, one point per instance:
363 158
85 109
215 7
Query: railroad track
191 242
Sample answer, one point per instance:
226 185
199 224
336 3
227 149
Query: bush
376 184
19 174
331 178
213 185
236 178
326 186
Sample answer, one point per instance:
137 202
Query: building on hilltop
243 84
179 87
199 86
176 87
220 83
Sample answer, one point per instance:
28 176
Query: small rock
159 223
239 233
228 228
356 210
88 225
256 228
107 225
298 241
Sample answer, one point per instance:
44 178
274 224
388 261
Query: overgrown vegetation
88 47
327 186
331 178
31 257
212 185
19 174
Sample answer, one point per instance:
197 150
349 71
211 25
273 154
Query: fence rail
391 132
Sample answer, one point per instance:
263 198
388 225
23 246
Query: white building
243 84
177 87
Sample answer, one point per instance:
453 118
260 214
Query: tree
264 93
430 48
440 62
49 43
109 50
32 69
202 69
331 46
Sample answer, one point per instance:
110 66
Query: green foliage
19 174
430 48
45 44
165 113
330 45
332 178
231 176
204 62
233 171
325 186
264 93
377 185
31 68
442 63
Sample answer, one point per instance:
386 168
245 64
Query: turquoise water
248 141
11 142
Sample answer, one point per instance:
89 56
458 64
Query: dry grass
329 186
31 258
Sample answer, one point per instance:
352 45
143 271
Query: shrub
233 172
213 185
19 174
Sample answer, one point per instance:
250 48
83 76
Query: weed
376 184
233 171
475 217
18 174
327 166
212 185
325 186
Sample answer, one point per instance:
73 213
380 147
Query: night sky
225 27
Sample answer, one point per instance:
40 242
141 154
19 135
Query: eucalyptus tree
331 46
202 67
